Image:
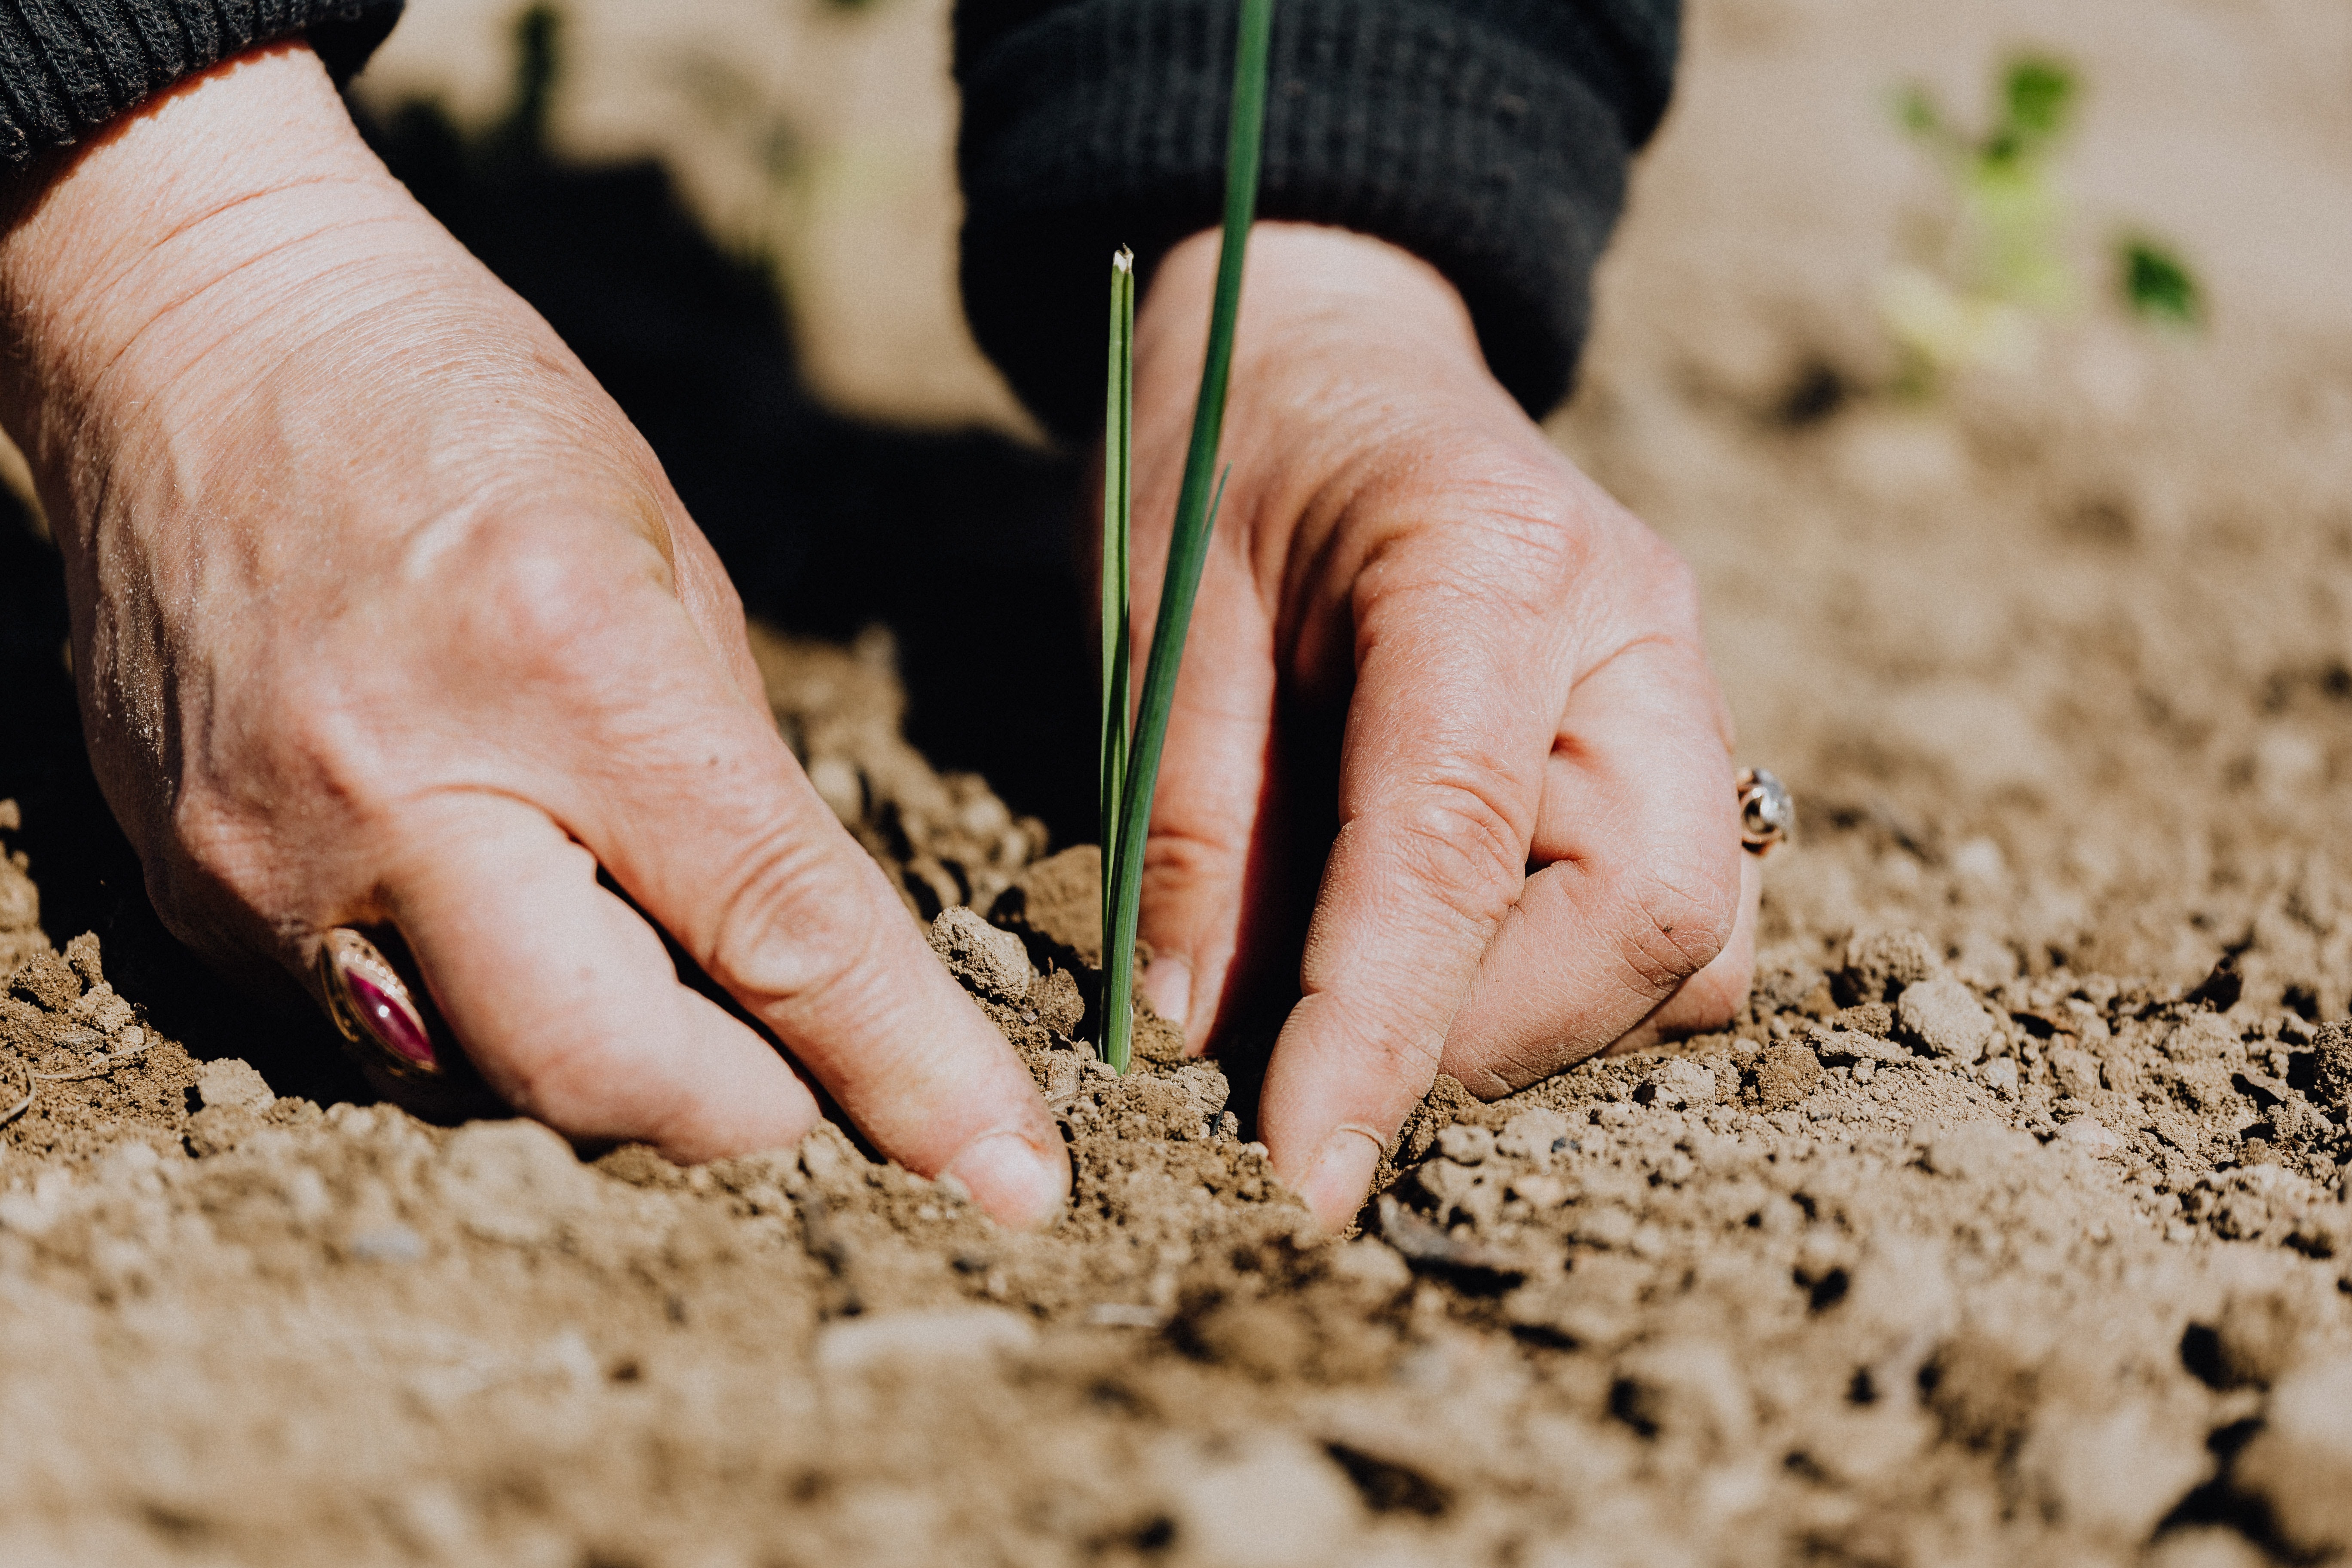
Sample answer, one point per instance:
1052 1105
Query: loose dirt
2006 1225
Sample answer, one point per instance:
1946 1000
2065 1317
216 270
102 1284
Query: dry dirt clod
1677 1084
989 962
1880 965
230 1082
1946 1016
1056 906
1786 1073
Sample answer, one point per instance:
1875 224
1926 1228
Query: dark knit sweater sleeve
68 67
1489 137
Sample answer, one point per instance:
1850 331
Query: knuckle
762 941
1181 855
1673 918
541 606
1464 841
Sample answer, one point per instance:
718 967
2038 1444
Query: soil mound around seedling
2037 1271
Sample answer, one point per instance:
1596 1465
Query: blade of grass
1119 439
1188 546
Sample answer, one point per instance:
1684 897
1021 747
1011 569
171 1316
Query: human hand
1418 609
382 615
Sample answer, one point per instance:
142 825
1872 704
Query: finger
567 1002
1640 825
1461 669
1204 854
710 824
1713 997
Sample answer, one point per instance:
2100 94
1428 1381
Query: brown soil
2006 1227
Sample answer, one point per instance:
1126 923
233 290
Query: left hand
1538 844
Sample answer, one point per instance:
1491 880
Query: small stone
230 1082
2000 1075
1465 1145
989 961
1677 1083
1946 1017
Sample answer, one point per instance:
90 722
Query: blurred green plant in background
1997 266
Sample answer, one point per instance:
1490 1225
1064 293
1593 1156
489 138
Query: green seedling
2157 285
1998 267
1117 698
1131 763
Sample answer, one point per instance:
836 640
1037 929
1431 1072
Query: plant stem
1119 439
1188 545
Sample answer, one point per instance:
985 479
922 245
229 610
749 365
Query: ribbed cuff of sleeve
1103 122
68 67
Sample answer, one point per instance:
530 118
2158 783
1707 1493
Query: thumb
1205 860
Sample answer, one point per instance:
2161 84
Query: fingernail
1336 1185
1168 986
370 1003
1019 1182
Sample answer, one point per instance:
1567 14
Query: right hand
383 615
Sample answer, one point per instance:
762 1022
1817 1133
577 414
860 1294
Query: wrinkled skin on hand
383 615
1417 608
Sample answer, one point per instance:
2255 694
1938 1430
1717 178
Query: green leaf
2157 286
1118 450
1188 545
2037 105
